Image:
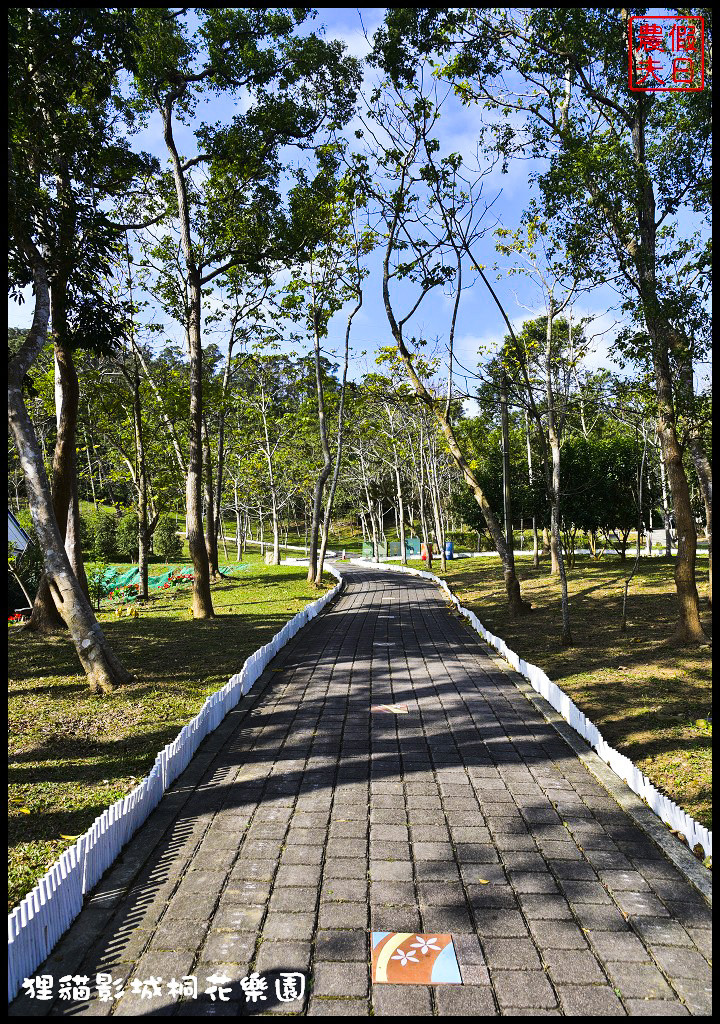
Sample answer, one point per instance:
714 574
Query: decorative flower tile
406 958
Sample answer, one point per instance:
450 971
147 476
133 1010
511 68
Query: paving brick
679 962
572 967
511 954
697 995
228 947
332 979
590 1001
345 868
298 875
638 980
702 937
455 1001
533 881
545 907
640 904
342 915
342 945
523 988
556 935
600 917
179 935
236 917
401 1001
449 918
618 946
283 955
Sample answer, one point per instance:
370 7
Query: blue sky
479 323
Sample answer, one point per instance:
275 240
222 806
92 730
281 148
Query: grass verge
71 754
649 700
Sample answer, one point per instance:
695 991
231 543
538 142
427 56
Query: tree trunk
689 628
45 617
326 467
507 508
554 551
555 535
202 599
401 515
101 666
704 474
211 536
142 511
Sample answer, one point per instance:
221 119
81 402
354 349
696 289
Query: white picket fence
664 808
50 908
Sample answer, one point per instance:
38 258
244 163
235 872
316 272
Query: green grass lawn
72 754
649 700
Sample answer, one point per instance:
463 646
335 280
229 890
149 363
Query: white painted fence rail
49 909
664 808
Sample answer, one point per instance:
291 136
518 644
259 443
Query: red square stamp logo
666 53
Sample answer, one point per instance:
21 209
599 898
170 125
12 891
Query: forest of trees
316 194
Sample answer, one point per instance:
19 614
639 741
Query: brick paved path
304 822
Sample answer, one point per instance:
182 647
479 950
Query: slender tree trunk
202 599
704 474
423 518
338 452
73 542
554 552
237 523
90 471
507 508
141 475
45 617
401 514
554 492
326 466
555 534
437 515
210 521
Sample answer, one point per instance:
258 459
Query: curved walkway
306 821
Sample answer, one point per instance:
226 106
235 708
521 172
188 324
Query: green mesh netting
115 583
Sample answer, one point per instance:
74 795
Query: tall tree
66 157
294 83
414 193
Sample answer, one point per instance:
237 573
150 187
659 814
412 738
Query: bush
127 537
166 541
87 533
105 541
97 585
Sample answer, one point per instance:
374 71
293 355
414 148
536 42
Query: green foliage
98 586
105 534
127 536
87 532
599 480
166 541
